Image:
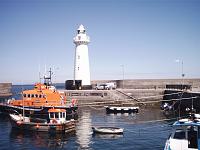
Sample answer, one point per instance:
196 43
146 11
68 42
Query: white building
81 61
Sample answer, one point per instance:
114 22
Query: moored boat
119 109
39 100
185 134
55 123
108 130
178 102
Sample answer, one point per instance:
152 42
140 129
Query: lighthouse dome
81 29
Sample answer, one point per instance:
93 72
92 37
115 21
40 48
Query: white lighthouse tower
81 62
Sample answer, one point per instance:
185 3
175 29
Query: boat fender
54 121
65 99
73 102
8 102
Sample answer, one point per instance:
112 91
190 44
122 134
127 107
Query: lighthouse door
78 84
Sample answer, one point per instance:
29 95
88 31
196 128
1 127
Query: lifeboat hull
67 127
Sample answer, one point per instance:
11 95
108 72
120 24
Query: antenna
40 77
45 68
39 74
180 100
47 79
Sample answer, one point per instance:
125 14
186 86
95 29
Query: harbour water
141 131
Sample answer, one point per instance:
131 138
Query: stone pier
128 92
5 90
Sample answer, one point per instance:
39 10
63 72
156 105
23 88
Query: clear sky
144 36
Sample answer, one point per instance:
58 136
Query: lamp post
182 73
122 76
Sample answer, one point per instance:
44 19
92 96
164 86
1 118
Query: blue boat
185 134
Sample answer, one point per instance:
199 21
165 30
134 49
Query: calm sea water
141 131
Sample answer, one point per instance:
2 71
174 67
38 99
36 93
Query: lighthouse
81 60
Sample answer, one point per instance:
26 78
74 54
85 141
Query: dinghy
108 130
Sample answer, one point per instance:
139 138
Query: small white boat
185 134
119 109
108 130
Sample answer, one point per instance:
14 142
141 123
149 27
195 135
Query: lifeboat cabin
57 115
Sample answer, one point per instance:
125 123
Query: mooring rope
96 108
159 95
134 123
138 130
97 104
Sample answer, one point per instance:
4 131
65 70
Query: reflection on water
139 133
107 136
38 139
84 130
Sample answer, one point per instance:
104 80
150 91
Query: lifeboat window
61 115
32 95
56 115
24 95
29 95
51 115
179 134
36 95
40 96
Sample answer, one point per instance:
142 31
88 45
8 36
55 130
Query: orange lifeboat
41 95
39 100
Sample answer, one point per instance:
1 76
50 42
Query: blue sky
145 36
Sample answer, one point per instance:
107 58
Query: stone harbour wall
5 89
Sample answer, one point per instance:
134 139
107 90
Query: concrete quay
150 83
122 97
128 92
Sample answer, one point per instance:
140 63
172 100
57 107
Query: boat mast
47 79
39 74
